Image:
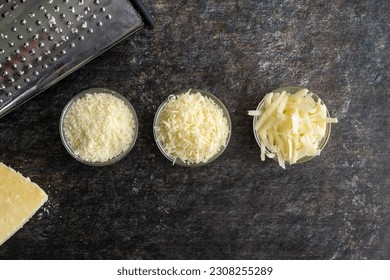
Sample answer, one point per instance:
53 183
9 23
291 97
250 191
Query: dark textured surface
335 206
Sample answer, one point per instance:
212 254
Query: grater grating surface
41 42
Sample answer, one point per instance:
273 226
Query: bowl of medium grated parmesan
291 125
98 127
192 128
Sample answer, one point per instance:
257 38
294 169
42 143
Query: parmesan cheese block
192 127
291 127
19 200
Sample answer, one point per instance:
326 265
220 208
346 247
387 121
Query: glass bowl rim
81 95
178 161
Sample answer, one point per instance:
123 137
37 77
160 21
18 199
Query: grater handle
145 15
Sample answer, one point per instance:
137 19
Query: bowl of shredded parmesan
98 127
192 128
291 125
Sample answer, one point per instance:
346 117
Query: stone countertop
337 206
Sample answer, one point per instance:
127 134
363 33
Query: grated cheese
290 126
99 126
192 128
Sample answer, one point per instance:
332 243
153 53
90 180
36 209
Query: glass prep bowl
292 90
176 160
70 149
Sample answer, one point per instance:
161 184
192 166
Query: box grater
41 42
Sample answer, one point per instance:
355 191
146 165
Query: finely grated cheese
98 127
192 128
290 126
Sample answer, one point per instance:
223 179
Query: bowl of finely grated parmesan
291 125
98 127
192 128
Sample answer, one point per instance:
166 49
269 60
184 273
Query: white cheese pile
291 126
192 127
98 127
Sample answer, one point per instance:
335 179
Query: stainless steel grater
43 41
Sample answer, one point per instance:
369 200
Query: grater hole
18 87
78 17
26 80
58 30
